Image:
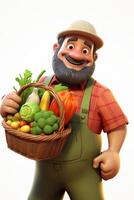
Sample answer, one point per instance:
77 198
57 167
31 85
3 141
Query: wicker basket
38 147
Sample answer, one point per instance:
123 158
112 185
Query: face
76 53
73 62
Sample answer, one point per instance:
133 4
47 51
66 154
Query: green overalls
72 170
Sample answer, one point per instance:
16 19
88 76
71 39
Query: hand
109 163
10 104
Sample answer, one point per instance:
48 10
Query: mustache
74 61
70 76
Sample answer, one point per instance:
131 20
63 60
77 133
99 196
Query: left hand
109 163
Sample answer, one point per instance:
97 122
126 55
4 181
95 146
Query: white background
28 29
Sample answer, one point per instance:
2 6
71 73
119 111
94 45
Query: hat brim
95 39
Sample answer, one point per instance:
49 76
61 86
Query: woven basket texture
38 147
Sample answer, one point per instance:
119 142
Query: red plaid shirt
104 112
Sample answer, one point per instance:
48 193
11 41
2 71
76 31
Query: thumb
97 161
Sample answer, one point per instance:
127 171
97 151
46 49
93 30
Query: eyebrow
72 39
89 44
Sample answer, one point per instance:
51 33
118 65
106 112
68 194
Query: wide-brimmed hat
83 28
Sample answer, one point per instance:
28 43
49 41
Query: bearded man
81 165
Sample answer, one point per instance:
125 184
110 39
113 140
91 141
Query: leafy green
40 74
60 87
41 92
24 79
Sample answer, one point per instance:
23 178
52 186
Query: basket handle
51 90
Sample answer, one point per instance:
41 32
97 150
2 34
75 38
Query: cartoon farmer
81 166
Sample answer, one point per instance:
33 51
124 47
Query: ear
55 47
95 56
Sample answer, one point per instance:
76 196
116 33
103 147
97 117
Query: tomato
22 123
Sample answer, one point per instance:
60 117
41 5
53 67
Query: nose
76 54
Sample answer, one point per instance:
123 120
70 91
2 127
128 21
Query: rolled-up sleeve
110 112
104 113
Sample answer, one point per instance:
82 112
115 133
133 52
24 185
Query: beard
71 76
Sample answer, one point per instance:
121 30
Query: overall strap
86 98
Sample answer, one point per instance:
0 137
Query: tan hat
83 28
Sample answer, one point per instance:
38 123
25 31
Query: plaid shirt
104 112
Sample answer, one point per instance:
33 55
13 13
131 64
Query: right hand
10 104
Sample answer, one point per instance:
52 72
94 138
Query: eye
70 46
85 51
